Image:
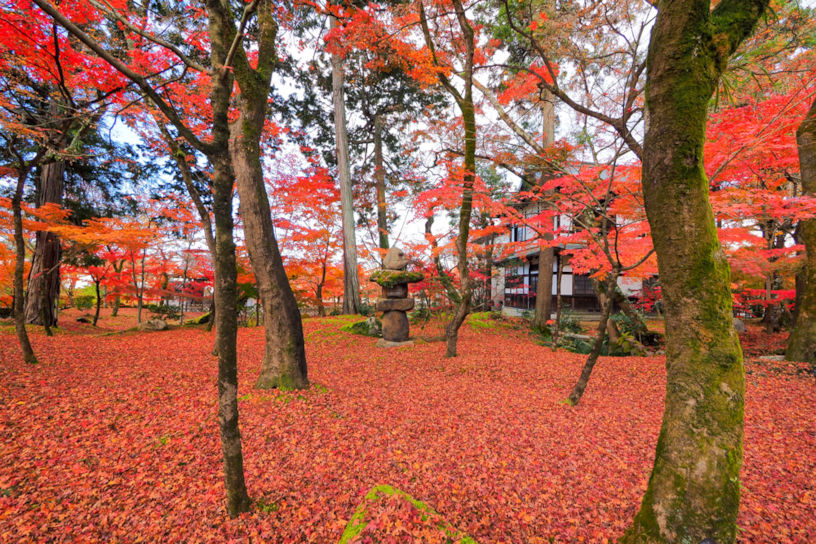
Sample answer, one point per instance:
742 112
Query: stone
85 319
396 292
395 326
154 325
383 343
771 357
395 259
374 326
739 326
401 304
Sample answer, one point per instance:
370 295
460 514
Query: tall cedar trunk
694 488
597 344
379 180
802 341
44 277
284 363
19 267
351 283
546 256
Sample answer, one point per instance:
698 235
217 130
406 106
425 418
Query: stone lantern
395 303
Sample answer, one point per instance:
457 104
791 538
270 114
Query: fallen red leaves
114 438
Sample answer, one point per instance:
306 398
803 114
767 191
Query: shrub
84 302
164 311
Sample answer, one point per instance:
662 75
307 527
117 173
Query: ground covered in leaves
114 438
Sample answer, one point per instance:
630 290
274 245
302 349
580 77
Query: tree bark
694 488
44 276
221 30
543 307
19 267
597 345
802 341
546 255
226 333
465 103
284 363
558 302
351 283
379 180
98 302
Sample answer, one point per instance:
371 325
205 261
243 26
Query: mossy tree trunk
694 488
465 102
284 363
802 341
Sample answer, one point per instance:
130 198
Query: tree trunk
543 307
44 277
226 332
694 488
19 267
597 345
802 341
546 255
98 302
284 363
351 283
558 302
379 180
321 311
141 289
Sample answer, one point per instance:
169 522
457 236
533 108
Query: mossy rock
358 522
365 328
391 278
201 320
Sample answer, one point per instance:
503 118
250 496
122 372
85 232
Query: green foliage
164 311
84 302
568 322
483 320
420 314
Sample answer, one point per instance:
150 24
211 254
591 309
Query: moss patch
391 278
360 520
362 328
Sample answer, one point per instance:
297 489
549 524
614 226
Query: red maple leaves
120 442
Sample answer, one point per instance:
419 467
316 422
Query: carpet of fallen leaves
114 438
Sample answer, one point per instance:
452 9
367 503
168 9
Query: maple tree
194 83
